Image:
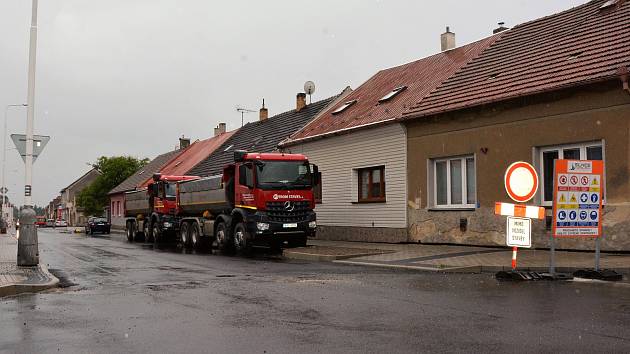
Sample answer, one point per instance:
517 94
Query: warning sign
578 198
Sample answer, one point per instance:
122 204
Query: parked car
95 224
40 221
50 223
61 223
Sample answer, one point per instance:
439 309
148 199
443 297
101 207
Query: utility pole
3 189
28 254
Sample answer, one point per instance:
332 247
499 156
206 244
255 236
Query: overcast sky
128 77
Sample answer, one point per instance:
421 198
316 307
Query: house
361 149
552 88
182 164
262 135
68 204
117 195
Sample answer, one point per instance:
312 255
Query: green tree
114 170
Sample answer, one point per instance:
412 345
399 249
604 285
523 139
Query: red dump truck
262 199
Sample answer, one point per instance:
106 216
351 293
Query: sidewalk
16 280
446 258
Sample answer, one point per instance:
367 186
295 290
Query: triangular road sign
39 142
573 199
562 199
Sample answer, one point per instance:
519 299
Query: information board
519 232
578 191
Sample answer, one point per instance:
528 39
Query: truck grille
277 211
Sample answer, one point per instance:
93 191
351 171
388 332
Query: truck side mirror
315 175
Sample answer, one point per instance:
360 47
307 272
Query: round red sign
521 181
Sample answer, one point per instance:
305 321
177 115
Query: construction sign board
577 198
519 232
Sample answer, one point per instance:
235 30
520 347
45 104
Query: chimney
501 28
300 101
220 129
448 39
184 142
264 112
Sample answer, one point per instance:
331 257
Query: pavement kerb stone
305 256
21 288
467 269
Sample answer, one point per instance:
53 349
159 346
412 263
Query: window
584 151
113 209
454 184
246 175
317 188
372 184
344 106
119 208
392 93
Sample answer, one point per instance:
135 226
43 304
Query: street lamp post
4 154
28 254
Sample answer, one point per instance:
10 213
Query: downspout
623 75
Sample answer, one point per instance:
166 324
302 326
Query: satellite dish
309 87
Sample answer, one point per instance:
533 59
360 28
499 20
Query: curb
19 288
466 269
304 256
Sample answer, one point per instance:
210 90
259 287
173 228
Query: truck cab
272 197
162 191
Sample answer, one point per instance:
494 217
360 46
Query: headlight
167 224
262 226
312 224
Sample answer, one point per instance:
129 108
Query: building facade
70 211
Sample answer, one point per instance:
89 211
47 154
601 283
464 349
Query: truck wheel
194 236
130 232
184 234
241 239
148 234
157 233
222 237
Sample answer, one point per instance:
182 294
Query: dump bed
137 202
205 194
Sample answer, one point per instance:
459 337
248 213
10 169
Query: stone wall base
480 227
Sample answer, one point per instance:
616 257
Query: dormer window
392 94
344 106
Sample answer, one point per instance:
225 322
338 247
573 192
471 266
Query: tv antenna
242 111
309 88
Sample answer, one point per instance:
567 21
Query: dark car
97 225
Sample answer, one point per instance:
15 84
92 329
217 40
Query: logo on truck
287 196
288 206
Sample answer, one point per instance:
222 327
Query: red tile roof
420 77
192 155
582 45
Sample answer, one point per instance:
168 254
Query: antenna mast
242 111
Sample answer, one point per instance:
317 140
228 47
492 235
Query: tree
114 170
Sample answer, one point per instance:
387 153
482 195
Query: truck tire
157 233
130 232
222 237
148 233
242 239
194 236
185 234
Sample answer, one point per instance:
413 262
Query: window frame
560 149
370 199
464 186
317 188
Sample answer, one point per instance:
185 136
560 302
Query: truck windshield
283 174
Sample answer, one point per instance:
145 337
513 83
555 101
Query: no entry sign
578 191
521 181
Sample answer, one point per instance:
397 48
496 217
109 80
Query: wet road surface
122 297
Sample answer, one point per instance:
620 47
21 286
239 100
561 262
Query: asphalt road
133 298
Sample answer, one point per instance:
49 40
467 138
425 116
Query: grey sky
129 77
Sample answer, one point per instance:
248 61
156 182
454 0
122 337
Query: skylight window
228 148
392 93
344 106
608 4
